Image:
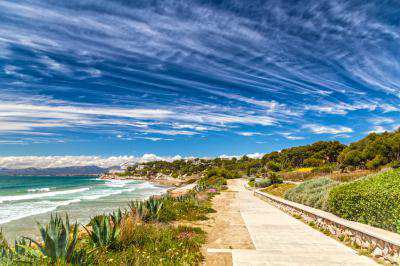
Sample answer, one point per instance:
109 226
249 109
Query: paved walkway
280 239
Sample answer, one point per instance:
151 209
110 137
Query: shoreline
158 180
81 207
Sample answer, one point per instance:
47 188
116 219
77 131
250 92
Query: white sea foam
41 195
40 201
43 189
15 211
118 183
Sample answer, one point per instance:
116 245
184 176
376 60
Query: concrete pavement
280 239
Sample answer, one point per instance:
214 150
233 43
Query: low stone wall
381 244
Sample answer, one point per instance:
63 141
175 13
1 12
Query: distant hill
72 170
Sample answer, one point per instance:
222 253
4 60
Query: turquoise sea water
25 200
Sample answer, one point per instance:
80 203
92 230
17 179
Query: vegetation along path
280 239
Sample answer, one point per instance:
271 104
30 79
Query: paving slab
280 239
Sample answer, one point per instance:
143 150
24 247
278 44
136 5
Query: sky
110 79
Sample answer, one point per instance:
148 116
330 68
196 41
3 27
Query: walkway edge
383 243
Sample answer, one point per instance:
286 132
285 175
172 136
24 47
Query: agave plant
58 241
147 210
105 229
116 217
138 208
153 206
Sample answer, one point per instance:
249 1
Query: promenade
280 239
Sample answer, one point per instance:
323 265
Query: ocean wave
16 211
41 195
43 189
118 183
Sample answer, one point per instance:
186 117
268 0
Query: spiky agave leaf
57 244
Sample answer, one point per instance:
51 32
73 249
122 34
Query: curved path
280 239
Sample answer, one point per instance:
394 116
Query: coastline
80 197
162 180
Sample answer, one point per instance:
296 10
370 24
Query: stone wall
379 246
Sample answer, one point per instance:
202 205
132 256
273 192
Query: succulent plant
105 229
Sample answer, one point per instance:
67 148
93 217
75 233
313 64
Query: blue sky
194 78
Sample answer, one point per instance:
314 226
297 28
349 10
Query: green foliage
273 166
373 200
324 169
58 243
213 179
222 173
263 183
275 178
105 229
187 207
316 154
153 244
147 210
373 151
313 192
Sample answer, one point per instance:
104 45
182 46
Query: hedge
374 200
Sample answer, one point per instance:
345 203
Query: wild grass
154 244
313 193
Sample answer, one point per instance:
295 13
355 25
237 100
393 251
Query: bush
273 166
394 164
263 183
313 192
275 178
373 200
324 169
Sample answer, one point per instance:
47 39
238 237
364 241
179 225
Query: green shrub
275 178
273 166
324 169
373 200
263 183
394 164
313 192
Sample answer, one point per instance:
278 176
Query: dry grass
346 177
299 176
278 189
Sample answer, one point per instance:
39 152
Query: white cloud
381 120
289 136
340 108
255 155
170 132
319 129
248 134
21 162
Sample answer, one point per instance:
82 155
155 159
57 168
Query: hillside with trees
373 151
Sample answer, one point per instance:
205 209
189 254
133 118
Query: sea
26 201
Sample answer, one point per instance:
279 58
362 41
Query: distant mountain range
72 170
